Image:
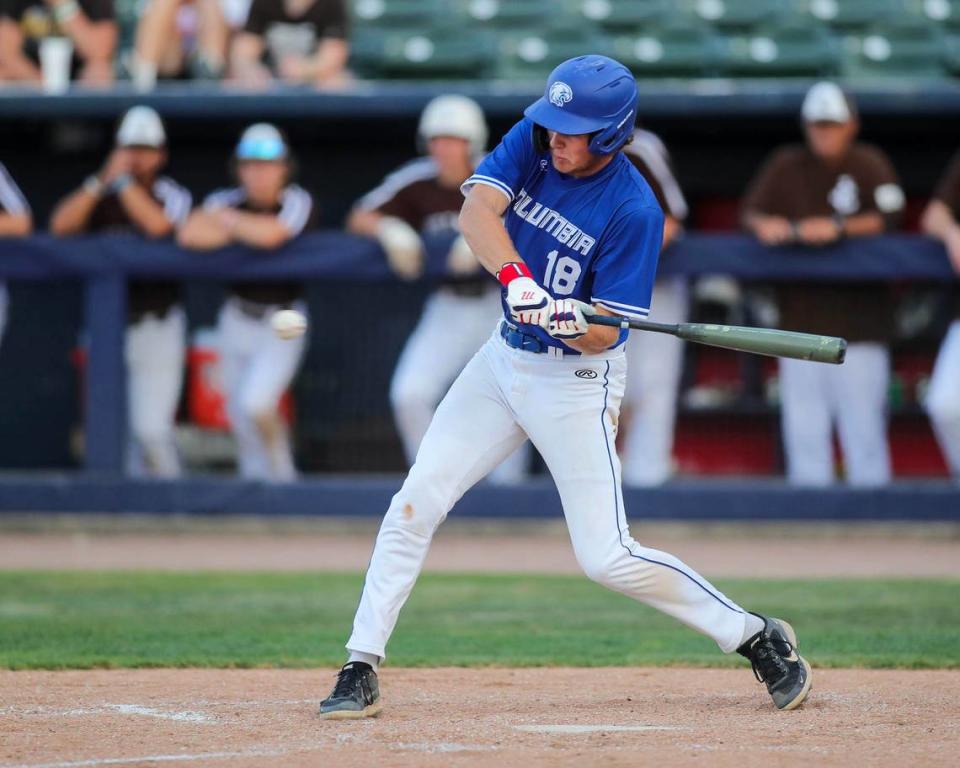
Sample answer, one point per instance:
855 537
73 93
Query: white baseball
288 323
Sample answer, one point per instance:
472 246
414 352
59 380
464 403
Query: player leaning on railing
563 219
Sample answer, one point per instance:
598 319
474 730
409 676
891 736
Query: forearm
15 66
15 225
939 222
145 212
258 230
671 229
245 55
72 215
93 40
482 228
203 231
361 222
330 59
864 225
596 340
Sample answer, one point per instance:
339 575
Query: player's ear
541 140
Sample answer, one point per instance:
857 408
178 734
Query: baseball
288 323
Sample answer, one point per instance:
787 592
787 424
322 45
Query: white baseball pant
257 368
503 396
814 396
155 348
943 398
656 363
450 331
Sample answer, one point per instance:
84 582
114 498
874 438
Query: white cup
56 58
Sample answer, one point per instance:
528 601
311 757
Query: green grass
59 620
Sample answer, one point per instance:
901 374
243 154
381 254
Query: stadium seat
853 14
402 13
945 12
517 15
672 50
908 48
791 50
623 16
421 53
735 14
532 55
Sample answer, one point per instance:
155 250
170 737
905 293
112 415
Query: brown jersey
297 213
296 26
948 193
109 215
414 194
796 184
650 157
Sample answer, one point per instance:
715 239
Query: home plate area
476 717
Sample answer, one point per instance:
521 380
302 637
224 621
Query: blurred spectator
129 195
177 38
89 24
299 41
815 195
16 220
655 359
943 398
265 211
423 197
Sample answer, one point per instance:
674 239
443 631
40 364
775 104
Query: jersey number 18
562 274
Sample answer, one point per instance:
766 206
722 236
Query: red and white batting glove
528 302
566 318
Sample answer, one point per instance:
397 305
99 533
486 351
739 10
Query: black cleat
356 694
773 654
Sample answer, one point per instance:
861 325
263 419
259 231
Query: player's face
450 153
571 154
145 162
830 141
263 180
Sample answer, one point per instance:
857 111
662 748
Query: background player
650 400
816 194
563 218
16 220
129 195
420 198
940 220
264 211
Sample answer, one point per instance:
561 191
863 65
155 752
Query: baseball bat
760 341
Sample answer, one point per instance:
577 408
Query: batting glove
566 319
528 302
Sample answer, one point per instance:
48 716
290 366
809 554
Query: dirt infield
477 717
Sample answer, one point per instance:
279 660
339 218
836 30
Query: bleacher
523 39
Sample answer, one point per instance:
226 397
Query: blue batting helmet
589 94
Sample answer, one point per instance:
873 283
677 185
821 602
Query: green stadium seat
623 16
736 14
673 50
853 14
397 13
421 53
908 48
516 14
532 55
793 50
945 12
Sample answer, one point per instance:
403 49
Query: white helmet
454 115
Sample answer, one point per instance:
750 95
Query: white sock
367 658
751 626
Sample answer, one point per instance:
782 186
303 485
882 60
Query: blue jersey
596 239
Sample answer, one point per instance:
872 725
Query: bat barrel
768 341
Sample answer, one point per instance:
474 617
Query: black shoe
356 694
773 654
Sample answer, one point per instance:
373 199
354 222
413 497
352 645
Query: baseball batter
423 197
569 227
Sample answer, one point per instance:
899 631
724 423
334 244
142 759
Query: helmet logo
560 93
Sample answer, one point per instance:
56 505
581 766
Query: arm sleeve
330 19
223 198
296 209
623 274
256 18
765 193
98 10
948 190
509 164
12 200
883 193
176 201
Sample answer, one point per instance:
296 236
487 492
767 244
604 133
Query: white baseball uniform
652 389
595 239
943 398
13 202
456 318
257 365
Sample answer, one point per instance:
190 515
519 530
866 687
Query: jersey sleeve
12 200
882 192
508 165
623 274
257 18
296 209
